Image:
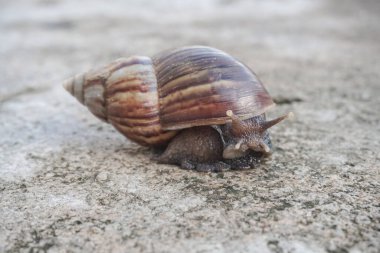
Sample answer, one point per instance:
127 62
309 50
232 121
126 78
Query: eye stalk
249 135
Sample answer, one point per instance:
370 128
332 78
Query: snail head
249 135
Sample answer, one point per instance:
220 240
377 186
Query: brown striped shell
148 99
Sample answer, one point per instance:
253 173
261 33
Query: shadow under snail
204 107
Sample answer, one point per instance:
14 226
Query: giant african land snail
204 106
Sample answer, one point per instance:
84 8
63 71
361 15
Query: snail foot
205 167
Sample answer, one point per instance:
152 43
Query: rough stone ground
69 183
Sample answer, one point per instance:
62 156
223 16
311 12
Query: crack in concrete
28 90
287 100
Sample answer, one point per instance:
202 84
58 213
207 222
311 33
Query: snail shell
149 99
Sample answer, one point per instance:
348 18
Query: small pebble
102 176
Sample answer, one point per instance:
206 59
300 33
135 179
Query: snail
202 106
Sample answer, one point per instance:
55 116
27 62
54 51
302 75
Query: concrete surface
69 183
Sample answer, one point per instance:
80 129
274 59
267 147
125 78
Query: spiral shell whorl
198 84
132 102
123 93
88 89
74 86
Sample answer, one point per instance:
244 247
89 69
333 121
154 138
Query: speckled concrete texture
70 183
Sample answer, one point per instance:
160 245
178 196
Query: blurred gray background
69 183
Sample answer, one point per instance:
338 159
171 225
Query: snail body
154 101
